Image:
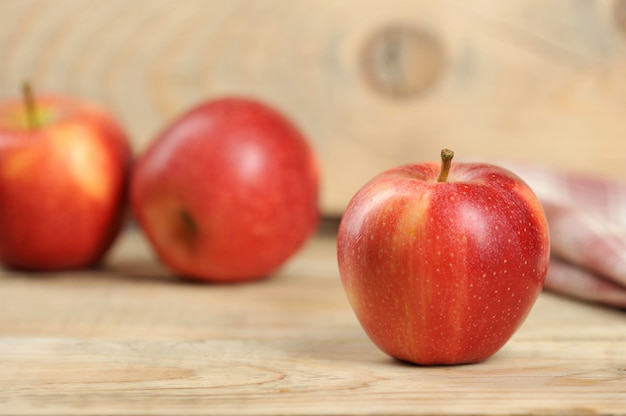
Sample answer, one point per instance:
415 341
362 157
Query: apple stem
29 103
446 161
189 223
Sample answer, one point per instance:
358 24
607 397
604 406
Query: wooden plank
132 339
532 80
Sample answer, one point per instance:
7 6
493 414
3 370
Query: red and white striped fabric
587 220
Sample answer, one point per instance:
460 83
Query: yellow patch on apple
84 161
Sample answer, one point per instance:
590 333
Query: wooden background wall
372 83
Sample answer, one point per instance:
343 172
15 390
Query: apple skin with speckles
228 192
63 183
442 273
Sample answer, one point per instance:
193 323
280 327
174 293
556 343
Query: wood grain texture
130 339
543 81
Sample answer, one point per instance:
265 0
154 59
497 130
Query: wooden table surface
131 339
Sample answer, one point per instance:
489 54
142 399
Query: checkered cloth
587 220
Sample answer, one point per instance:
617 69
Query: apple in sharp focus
228 192
64 167
442 264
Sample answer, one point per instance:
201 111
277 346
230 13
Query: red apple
64 166
228 192
441 266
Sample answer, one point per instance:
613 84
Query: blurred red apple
443 266
64 166
228 192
